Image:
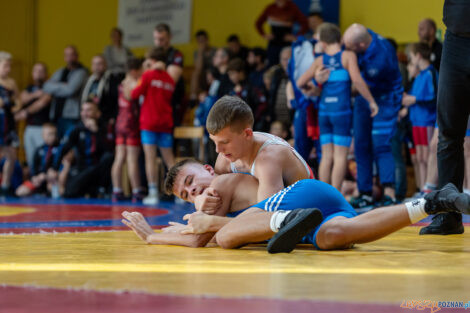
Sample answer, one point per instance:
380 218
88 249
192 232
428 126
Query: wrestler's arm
139 225
269 174
222 165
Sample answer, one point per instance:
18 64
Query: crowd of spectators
83 125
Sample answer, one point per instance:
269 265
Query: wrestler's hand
322 75
138 224
374 109
208 202
174 228
198 223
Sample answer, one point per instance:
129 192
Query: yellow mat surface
403 266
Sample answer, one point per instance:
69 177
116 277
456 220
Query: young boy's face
49 134
236 77
89 111
136 73
192 180
231 144
415 57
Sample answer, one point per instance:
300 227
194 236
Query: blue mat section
175 212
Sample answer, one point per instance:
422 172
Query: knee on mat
334 236
224 239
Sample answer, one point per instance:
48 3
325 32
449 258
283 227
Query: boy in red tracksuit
156 117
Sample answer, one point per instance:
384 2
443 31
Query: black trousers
453 108
88 180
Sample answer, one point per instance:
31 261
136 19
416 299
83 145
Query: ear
209 168
248 132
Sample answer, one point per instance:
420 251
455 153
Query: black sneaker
362 203
385 201
295 226
444 224
447 199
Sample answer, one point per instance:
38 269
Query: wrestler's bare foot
138 224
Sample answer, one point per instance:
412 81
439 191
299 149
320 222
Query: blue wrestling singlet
335 115
308 193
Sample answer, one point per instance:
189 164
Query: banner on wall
138 18
329 9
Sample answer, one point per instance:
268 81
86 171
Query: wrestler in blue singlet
335 104
308 193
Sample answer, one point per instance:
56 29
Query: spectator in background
257 63
202 62
44 158
116 54
378 64
128 135
315 19
220 62
281 16
156 117
65 87
253 96
421 102
101 88
8 139
278 109
174 67
90 173
427 34
35 110
235 48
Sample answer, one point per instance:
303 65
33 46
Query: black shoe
295 226
363 201
444 224
7 192
447 199
385 201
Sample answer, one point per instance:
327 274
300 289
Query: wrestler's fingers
186 231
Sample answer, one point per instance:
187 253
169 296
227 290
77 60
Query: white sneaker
151 200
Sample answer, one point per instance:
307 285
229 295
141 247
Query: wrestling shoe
118 196
362 204
385 201
151 200
444 224
447 199
294 227
138 196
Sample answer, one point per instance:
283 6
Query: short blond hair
229 111
5 56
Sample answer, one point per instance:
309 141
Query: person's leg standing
400 166
383 129
302 143
453 107
362 126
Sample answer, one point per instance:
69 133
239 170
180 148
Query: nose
193 190
217 148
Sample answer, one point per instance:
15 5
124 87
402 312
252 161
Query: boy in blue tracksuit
379 67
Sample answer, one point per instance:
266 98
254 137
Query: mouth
202 190
227 156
